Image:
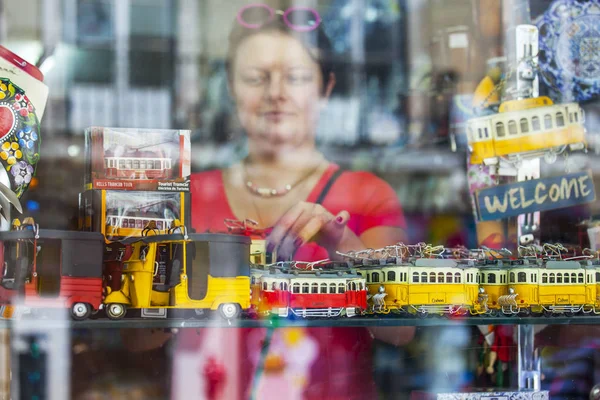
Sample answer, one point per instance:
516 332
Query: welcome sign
535 195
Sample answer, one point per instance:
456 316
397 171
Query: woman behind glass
280 76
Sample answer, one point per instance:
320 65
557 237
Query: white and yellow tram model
555 287
426 286
493 278
523 128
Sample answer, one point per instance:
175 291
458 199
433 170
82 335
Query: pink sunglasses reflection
301 19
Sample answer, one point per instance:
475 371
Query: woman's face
278 90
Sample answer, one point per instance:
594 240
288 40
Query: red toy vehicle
312 293
52 268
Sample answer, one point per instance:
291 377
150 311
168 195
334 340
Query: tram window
341 288
305 287
331 288
477 277
491 277
295 288
500 129
375 277
449 277
432 277
571 117
252 280
479 133
368 277
487 135
552 278
440 277
391 276
532 278
512 127
142 164
597 276
535 123
547 121
576 117
544 278
573 277
415 277
128 164
314 288
121 164
457 277
265 286
524 125
512 277
522 277
558 277
566 278
136 164
424 277
560 120
580 276
284 286
352 286
323 288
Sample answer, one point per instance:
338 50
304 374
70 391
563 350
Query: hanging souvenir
22 101
569 56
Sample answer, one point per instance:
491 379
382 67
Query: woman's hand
309 221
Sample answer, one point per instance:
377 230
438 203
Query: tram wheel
81 311
422 314
230 310
116 311
548 313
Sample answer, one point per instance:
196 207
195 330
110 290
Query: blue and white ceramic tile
570 49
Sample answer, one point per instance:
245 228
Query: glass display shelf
217 322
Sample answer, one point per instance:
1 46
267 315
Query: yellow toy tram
426 286
204 272
556 287
528 127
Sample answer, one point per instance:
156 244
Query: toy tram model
423 286
286 290
138 165
526 128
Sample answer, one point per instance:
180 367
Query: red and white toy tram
310 293
150 166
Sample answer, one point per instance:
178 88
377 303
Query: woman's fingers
283 225
301 233
333 231
302 224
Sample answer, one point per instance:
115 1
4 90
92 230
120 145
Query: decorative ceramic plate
570 48
19 136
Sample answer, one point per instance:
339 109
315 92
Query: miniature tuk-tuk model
179 271
51 268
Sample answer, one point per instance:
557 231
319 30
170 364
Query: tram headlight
511 290
481 290
381 289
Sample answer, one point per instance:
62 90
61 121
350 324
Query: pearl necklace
269 192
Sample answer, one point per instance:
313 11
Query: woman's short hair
316 42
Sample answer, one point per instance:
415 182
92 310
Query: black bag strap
328 185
